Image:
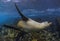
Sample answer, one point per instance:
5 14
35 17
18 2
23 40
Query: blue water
9 15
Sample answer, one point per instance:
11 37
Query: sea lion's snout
48 22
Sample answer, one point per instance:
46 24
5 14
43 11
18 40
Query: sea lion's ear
20 13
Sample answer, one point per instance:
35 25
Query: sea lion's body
31 24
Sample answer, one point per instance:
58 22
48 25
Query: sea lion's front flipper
20 13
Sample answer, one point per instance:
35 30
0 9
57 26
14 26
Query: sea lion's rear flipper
12 27
20 13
